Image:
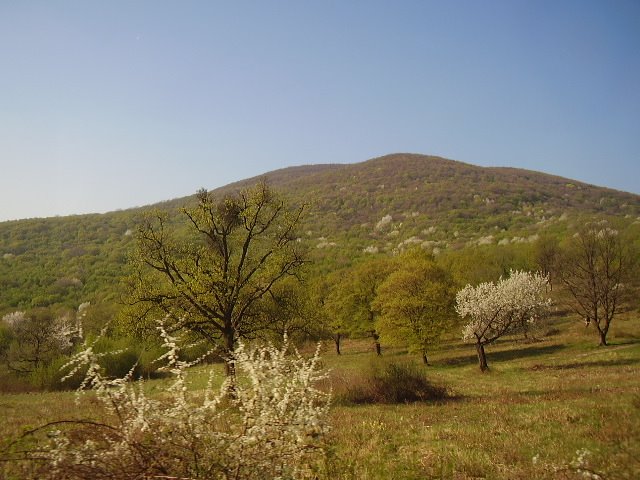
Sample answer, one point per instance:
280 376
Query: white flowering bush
510 305
268 423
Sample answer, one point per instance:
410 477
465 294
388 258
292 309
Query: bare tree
594 269
212 283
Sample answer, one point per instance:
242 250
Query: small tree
352 298
594 269
324 314
37 337
546 253
504 307
212 284
415 302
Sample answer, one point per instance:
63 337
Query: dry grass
526 418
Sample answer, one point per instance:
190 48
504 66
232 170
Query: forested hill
380 205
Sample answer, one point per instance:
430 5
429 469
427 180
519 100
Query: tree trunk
425 360
603 338
376 342
482 357
229 344
336 339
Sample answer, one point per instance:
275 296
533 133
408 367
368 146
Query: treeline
234 268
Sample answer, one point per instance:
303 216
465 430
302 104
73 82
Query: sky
111 105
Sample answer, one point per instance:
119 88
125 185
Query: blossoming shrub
269 426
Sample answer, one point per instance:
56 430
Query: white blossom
267 424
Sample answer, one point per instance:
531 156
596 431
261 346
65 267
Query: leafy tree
504 307
546 252
352 298
287 310
213 283
416 302
321 312
595 267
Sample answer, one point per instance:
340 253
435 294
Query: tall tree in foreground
416 303
594 269
504 307
239 248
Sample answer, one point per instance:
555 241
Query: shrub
391 383
268 424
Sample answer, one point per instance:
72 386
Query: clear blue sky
115 104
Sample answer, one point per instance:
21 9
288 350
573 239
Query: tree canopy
500 308
415 302
212 283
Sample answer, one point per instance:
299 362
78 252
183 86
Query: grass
526 418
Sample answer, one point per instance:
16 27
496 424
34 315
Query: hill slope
378 205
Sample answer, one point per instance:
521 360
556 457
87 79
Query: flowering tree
271 428
506 306
39 336
594 270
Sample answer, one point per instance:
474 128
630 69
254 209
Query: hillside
379 205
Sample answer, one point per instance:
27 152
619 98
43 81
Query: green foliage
445 205
351 299
416 302
214 282
49 376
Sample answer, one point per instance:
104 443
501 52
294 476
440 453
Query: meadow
555 407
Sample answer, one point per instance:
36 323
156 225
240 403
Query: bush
49 376
390 383
267 424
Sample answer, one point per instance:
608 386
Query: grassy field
540 403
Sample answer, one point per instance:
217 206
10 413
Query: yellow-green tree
212 282
416 303
351 299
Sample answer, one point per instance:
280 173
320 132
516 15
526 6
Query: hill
379 205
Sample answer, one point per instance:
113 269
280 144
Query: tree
287 310
504 307
546 252
594 269
37 337
352 298
415 302
212 283
322 312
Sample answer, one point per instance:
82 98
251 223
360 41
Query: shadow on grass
503 355
600 363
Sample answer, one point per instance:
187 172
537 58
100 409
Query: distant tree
594 268
287 310
504 307
352 298
323 313
546 253
37 337
214 283
416 302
